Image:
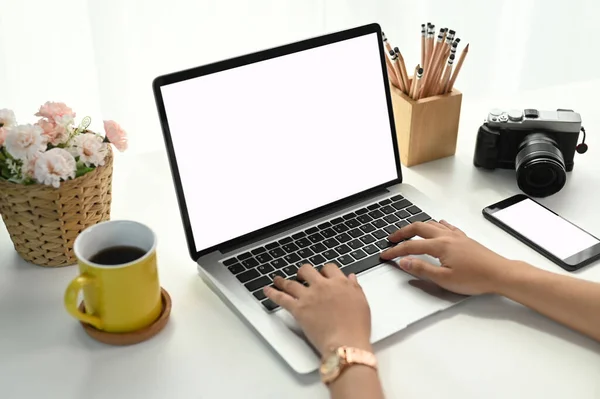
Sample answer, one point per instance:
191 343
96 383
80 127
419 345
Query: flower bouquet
55 181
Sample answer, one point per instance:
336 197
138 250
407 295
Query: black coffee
117 255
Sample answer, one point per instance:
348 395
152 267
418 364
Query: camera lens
540 166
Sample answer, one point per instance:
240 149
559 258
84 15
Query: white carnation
89 148
23 141
7 118
53 166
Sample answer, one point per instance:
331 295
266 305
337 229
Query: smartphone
559 240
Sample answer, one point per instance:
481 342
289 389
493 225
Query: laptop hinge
297 223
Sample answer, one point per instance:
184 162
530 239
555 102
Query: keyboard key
340 228
356 233
391 219
277 252
332 242
258 283
362 265
299 235
317 260
414 210
314 238
277 273
330 254
305 253
258 250
349 216
293 278
362 211
285 240
248 275
264 258
367 239
367 228
312 230
236 268
269 304
364 219
279 263
265 269
376 214
402 214
260 295
272 245
373 207
343 249
250 263
303 242
230 261
390 229
388 209
290 270
244 256
289 248
303 262
324 225
320 247
327 233
402 204
380 223
402 223
383 244
379 234
343 237
352 223
292 258
370 249
344 260
337 220
385 202
358 254
421 217
396 197
355 244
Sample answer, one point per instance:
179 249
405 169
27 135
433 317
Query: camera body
540 145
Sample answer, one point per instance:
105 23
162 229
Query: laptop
289 156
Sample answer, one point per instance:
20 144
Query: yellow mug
118 297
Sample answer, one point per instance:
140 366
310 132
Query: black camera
539 145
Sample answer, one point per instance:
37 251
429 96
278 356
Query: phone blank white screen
546 229
261 143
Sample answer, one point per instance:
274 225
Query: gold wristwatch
334 364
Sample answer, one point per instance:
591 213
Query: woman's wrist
350 341
508 274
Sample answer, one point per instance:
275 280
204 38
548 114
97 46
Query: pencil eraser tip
452 56
396 49
420 71
451 32
392 52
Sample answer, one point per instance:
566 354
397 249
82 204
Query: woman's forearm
357 382
567 300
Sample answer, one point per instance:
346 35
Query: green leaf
5 172
83 170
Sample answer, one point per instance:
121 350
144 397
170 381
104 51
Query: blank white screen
546 229
264 142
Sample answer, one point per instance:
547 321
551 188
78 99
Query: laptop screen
264 142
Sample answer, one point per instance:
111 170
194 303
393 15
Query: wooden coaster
133 337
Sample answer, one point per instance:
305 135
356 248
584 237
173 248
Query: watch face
331 365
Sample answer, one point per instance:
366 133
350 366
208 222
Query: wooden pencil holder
427 129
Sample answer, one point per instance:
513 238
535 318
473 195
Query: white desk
487 347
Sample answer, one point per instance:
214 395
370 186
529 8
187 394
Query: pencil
433 75
413 85
450 37
435 51
391 73
428 44
388 46
402 67
422 44
394 58
463 55
441 89
417 79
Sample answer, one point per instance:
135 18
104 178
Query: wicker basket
44 221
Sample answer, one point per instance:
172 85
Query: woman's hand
332 310
468 267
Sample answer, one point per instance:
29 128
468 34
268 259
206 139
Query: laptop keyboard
352 241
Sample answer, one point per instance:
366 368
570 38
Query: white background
544 228
312 130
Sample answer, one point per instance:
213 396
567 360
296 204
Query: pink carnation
52 111
54 133
116 135
2 136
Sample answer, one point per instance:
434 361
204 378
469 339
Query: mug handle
71 295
